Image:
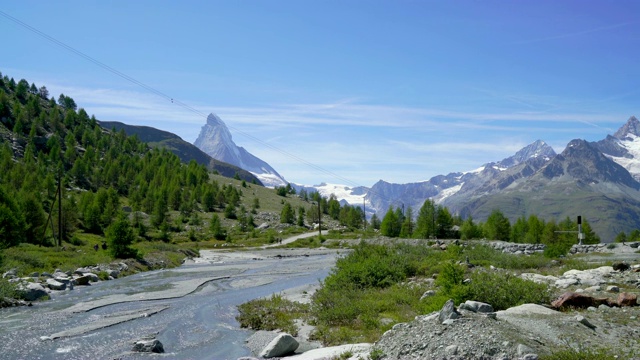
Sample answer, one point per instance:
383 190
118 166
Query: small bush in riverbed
581 354
504 290
271 313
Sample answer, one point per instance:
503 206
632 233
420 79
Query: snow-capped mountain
488 178
354 196
624 146
598 180
215 140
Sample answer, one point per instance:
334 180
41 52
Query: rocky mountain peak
214 120
215 140
631 127
585 163
537 149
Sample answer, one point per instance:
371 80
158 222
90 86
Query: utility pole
433 218
319 220
364 214
60 208
580 234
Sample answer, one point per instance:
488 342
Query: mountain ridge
596 179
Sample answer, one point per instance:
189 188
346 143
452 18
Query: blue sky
366 90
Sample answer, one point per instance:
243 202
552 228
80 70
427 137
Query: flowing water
190 309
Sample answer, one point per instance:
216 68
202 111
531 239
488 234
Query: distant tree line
436 222
349 216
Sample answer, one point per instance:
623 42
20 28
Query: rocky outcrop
41 285
517 248
522 332
590 280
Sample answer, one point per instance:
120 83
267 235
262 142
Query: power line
173 100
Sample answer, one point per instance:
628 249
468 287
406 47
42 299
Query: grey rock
530 357
33 292
153 346
477 306
282 345
10 274
92 277
427 294
55 285
83 280
581 319
565 283
46 274
613 289
448 312
451 350
113 273
34 275
523 350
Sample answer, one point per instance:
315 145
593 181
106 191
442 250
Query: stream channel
190 309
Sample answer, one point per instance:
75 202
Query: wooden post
319 220
59 210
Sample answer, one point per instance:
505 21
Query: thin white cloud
343 139
575 33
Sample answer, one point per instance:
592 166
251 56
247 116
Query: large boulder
153 346
83 280
626 299
448 312
476 306
282 345
92 277
33 292
56 285
572 299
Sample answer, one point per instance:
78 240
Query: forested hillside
43 139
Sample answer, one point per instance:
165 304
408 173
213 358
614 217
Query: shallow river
190 309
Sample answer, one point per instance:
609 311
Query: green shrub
557 249
504 290
484 255
8 290
451 276
581 354
271 313
120 236
103 275
376 354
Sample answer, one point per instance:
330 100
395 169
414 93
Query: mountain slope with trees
184 150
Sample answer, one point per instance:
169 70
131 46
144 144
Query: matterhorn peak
215 140
214 120
631 127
